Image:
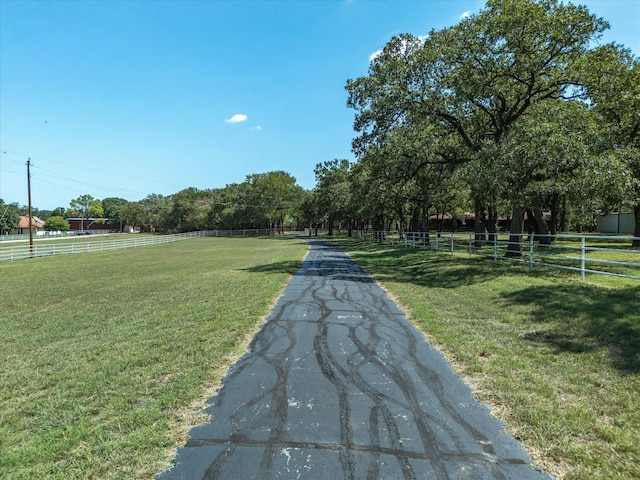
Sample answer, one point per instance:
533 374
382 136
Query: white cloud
373 56
257 127
238 117
465 14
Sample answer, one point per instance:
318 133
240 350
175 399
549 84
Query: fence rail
587 254
42 248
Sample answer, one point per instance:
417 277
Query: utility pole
30 215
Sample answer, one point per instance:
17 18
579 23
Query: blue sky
128 98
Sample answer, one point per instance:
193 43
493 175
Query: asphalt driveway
339 385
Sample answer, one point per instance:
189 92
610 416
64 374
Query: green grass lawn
557 359
106 356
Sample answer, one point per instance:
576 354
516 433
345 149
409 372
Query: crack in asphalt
339 384
237 441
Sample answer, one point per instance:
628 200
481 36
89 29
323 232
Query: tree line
516 112
263 201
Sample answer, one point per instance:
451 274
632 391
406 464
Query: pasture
108 357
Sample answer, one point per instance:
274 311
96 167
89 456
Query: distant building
23 226
90 225
616 223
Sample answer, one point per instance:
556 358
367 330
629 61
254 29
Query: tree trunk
636 229
378 226
563 215
438 222
555 202
389 225
514 249
492 224
529 223
542 229
415 219
425 225
480 227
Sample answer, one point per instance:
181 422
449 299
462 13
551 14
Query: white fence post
531 252
582 256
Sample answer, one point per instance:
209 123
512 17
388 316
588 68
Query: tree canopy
512 108
56 223
513 115
9 216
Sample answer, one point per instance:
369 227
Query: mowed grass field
558 360
107 357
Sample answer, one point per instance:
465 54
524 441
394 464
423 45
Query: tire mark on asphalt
213 472
389 402
433 381
374 439
278 407
374 449
328 366
428 378
398 375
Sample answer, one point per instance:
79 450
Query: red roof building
23 225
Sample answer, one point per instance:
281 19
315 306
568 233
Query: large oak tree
474 81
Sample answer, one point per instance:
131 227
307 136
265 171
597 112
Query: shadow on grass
426 269
333 266
573 317
419 267
581 318
288 266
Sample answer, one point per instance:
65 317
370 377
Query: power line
68 182
103 172
78 190
275 202
74 180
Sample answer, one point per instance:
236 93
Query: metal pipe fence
586 254
41 248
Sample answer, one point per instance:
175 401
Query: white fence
587 254
42 248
